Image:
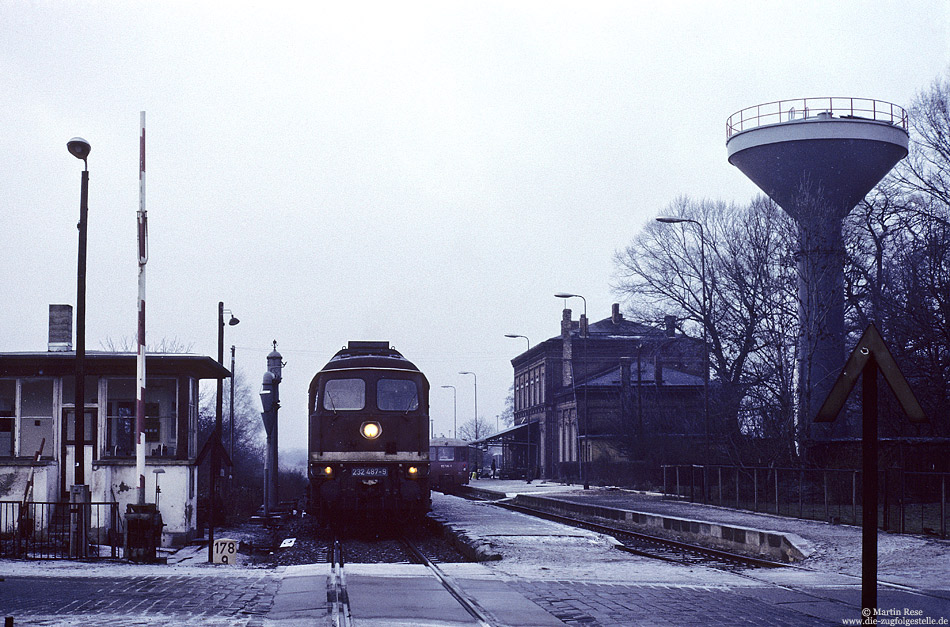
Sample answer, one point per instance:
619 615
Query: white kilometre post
143 259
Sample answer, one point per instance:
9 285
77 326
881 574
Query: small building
605 392
38 437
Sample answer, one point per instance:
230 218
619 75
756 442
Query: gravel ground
261 546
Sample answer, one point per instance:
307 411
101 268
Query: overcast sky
424 173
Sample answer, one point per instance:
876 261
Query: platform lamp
216 444
529 460
704 314
455 411
80 148
582 461
476 398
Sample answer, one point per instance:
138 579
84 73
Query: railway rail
339 600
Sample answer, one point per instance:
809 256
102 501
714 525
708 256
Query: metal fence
909 502
49 530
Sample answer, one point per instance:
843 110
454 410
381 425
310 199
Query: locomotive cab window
445 454
397 395
344 394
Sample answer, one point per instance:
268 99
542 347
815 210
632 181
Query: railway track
653 546
339 599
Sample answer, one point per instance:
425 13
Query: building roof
671 377
61 363
624 328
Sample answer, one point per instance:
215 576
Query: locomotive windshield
397 395
344 394
445 453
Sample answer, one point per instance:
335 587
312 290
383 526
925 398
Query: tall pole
581 457
142 220
704 314
231 410
869 497
529 461
216 438
475 378
455 411
80 149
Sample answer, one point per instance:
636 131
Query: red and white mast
143 259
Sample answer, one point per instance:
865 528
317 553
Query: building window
7 416
161 424
36 417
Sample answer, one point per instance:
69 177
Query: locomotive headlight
371 430
328 471
413 471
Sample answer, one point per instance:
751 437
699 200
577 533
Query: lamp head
564 295
233 321
669 220
79 148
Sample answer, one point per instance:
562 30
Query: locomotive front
369 444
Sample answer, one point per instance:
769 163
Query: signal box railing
39 530
815 108
909 502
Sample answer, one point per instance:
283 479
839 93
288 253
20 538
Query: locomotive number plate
370 472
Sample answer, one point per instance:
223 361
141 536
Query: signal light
370 430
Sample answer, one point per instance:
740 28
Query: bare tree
474 430
751 299
129 344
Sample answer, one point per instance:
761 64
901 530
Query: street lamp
455 411
704 314
80 148
529 461
582 461
216 445
476 399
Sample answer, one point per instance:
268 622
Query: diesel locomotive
369 436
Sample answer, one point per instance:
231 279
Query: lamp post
704 314
476 399
80 148
455 411
582 454
216 445
529 460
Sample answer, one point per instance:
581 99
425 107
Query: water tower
817 158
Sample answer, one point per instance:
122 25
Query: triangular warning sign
871 345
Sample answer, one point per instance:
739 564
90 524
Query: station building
611 393
38 438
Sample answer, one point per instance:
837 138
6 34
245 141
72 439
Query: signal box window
397 395
344 394
36 417
7 416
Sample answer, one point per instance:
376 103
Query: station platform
815 544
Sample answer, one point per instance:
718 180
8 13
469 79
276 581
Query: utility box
143 532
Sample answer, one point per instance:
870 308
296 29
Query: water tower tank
817 158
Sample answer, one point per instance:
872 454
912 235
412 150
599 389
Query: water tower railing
810 108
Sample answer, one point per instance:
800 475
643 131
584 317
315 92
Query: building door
68 454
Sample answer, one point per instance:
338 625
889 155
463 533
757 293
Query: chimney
615 315
567 371
566 323
60 328
670 325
